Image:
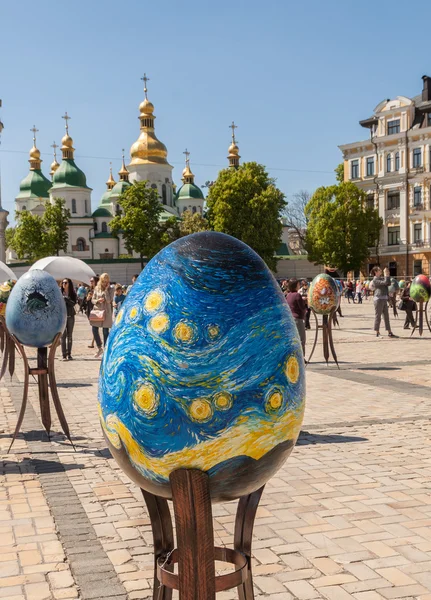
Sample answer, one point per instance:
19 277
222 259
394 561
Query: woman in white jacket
102 299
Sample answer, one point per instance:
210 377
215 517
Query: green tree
339 173
340 227
139 220
246 204
27 238
55 222
192 223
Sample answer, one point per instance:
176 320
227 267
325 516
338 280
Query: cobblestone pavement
348 516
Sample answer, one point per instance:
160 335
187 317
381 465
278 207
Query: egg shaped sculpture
339 291
323 294
402 284
394 287
420 289
35 310
5 290
203 369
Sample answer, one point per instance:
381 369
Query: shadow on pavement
37 465
306 438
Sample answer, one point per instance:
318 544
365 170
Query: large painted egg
394 287
420 288
36 311
5 290
402 284
203 369
323 294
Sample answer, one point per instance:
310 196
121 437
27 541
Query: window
393 236
164 199
154 186
393 126
95 226
370 201
24 208
417 232
184 209
393 200
417 196
86 206
194 210
80 245
355 169
73 206
392 269
370 166
104 227
389 163
417 157
397 161
417 267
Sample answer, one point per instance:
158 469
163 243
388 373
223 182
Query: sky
296 77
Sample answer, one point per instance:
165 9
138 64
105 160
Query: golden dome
34 153
233 149
54 167
67 141
123 172
111 181
146 107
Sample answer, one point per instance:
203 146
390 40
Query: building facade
393 167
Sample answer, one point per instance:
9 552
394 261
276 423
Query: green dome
35 185
119 188
102 212
68 174
105 199
189 190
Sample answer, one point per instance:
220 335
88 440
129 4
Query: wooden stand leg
25 391
315 337
416 325
421 317
331 341
426 315
54 390
42 382
161 524
195 536
325 338
244 523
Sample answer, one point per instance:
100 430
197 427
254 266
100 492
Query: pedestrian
303 290
119 298
134 278
81 294
101 315
89 303
70 299
381 283
408 305
298 308
350 294
359 291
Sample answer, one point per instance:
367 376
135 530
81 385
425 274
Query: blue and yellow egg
203 369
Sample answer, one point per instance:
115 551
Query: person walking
81 294
303 290
408 305
102 299
70 299
119 298
381 283
350 294
298 307
359 291
89 302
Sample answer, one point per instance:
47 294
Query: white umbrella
6 272
65 266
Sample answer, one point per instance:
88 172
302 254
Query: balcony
418 170
418 206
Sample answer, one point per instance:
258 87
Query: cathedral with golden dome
89 232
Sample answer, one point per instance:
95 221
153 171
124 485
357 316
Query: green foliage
340 227
339 173
139 220
192 223
246 204
37 236
27 238
55 220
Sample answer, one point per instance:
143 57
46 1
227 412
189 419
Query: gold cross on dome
233 127
34 130
66 118
187 153
145 79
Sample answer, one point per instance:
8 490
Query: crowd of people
100 302
380 288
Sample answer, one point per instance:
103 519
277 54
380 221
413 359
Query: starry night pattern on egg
203 369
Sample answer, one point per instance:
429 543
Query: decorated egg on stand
35 310
402 284
394 287
323 294
183 382
5 290
420 289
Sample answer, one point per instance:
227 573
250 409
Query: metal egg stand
419 320
328 342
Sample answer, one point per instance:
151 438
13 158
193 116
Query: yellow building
393 166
